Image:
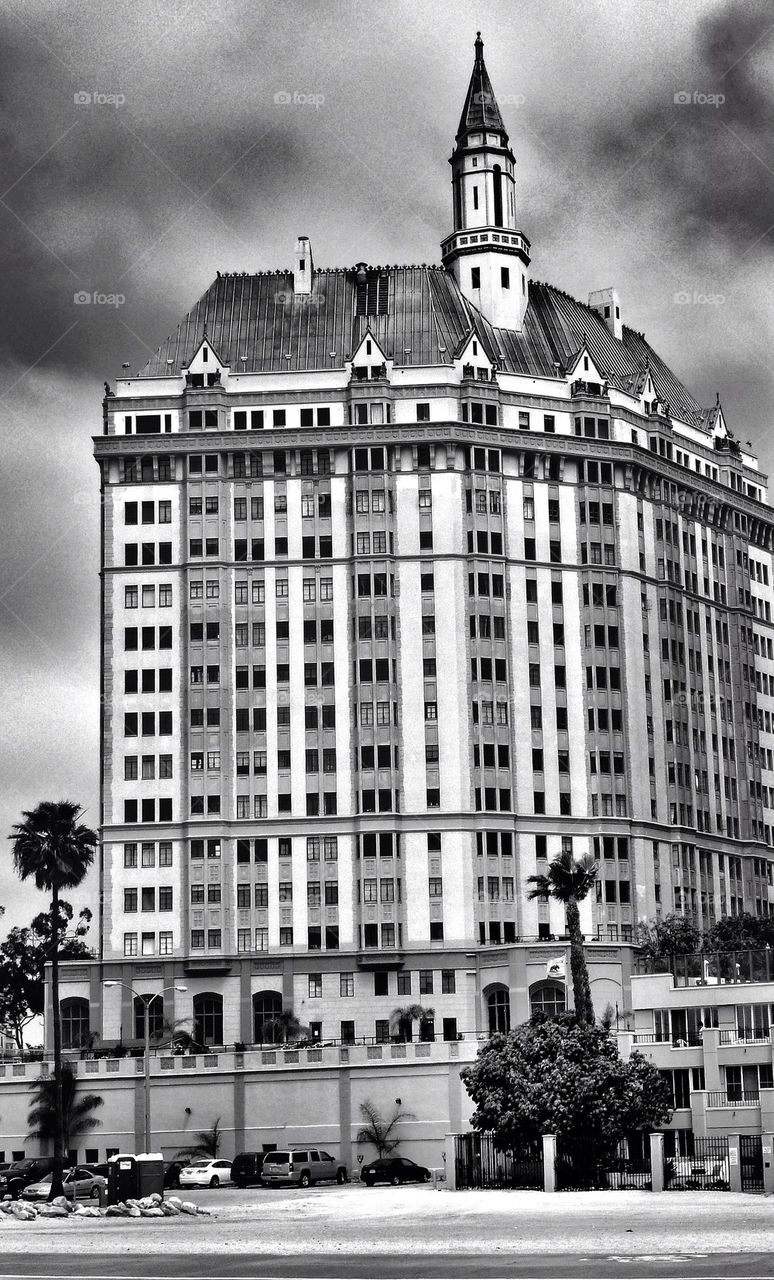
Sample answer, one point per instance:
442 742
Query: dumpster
131 1177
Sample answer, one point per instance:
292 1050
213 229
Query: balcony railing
690 1041
711 968
734 1098
736 1036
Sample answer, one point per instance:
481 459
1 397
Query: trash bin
150 1167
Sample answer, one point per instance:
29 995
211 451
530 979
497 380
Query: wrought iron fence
751 1161
589 1170
703 1168
478 1163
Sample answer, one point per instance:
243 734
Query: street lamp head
111 984
181 988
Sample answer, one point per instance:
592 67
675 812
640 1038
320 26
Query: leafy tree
569 880
52 848
674 935
23 957
563 1076
379 1131
206 1145
402 1020
77 1109
744 932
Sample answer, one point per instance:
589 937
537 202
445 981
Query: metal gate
478 1163
751 1161
705 1168
586 1170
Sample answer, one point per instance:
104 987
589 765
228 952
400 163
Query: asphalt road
750 1266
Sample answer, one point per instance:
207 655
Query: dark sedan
394 1169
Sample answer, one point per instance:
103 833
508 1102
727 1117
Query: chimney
303 272
605 303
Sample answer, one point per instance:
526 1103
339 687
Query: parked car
302 1167
79 1184
172 1171
206 1173
22 1173
247 1168
687 1173
100 1169
394 1169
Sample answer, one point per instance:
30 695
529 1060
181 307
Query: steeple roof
480 111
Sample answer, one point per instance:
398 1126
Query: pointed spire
480 111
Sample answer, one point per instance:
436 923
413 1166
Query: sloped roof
480 111
260 318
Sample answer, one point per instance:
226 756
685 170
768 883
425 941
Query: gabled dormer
205 368
369 360
471 359
487 253
584 374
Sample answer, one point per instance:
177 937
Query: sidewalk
421 1220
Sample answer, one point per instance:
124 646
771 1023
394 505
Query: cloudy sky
143 149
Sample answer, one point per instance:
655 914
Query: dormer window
205 355
475 344
368 348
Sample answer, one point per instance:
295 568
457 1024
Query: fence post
549 1162
734 1163
450 1162
657 1161
767 1148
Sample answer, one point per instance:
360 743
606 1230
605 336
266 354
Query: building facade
413 577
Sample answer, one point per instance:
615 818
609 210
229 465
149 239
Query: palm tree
569 880
52 848
284 1028
206 1144
379 1131
77 1119
402 1020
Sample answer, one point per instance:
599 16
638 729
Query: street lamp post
147 1001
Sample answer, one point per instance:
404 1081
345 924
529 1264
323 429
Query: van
247 1167
302 1167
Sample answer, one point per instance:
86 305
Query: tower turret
486 251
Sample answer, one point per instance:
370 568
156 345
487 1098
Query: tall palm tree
569 880
52 848
77 1118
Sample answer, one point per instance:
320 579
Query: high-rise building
412 577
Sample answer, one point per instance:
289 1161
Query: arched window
208 1018
155 1016
498 1003
74 1015
498 195
267 1005
549 998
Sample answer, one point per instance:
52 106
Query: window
499 1009
207 1012
548 998
315 986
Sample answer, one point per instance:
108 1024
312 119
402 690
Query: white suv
301 1168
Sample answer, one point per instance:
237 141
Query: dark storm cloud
711 166
109 197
